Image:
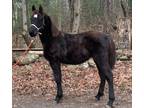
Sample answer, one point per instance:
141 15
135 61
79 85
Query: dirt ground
34 87
85 101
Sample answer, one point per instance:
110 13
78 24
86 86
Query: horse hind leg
105 74
102 79
109 78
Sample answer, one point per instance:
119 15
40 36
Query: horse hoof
58 98
108 106
97 98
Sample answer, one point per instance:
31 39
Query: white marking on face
35 16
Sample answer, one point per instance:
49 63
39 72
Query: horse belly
76 57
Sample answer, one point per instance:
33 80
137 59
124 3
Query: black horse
60 47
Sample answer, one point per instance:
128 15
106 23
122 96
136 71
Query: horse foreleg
57 76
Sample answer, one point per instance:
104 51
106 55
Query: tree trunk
59 15
124 6
13 16
107 14
24 15
124 33
25 28
71 7
75 15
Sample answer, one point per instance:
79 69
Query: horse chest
54 51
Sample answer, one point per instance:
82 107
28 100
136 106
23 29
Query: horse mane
53 29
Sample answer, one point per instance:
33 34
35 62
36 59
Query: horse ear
33 8
40 9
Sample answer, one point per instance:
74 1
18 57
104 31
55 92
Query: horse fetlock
110 102
58 98
98 96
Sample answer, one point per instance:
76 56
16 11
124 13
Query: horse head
37 21
41 24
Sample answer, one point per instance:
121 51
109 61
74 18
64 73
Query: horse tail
112 53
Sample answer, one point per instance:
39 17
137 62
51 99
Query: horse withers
60 47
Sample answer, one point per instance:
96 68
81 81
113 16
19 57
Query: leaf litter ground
80 84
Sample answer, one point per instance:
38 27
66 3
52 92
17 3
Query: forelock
35 15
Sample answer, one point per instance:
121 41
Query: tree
124 6
74 6
25 28
100 15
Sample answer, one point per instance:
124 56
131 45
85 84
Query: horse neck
49 33
50 28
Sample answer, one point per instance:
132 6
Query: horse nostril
31 33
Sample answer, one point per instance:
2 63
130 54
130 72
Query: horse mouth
39 33
34 34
